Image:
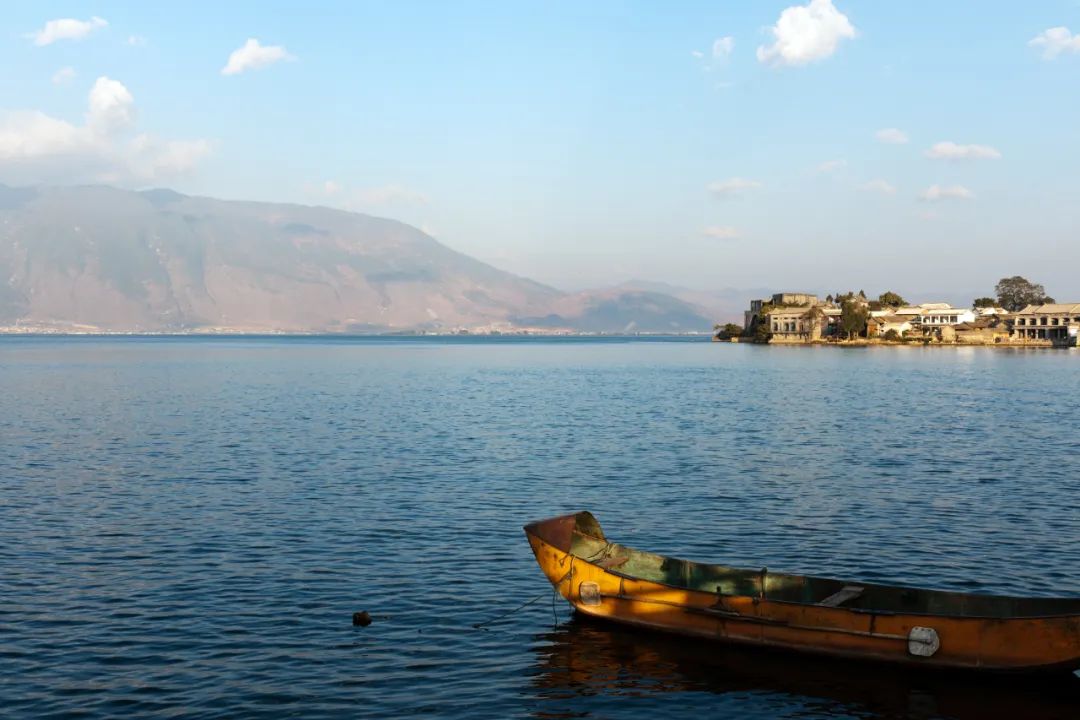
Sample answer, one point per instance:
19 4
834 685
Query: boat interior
584 538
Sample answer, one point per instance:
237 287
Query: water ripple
189 525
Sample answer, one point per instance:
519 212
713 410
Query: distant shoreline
863 343
700 337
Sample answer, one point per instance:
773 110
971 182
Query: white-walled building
935 315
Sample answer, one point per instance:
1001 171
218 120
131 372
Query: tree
892 335
891 299
853 317
828 299
759 331
984 302
815 322
727 331
1016 293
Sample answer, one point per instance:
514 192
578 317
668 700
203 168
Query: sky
923 147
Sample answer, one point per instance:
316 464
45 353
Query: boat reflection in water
592 668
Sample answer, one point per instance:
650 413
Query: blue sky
583 144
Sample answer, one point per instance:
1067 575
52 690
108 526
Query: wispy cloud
881 186
380 197
732 186
891 136
1055 41
392 194
952 151
935 193
721 232
831 166
253 55
66 29
723 47
136 41
63 75
717 55
806 33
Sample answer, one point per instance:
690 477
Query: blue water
187 525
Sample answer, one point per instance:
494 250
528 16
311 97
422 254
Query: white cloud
882 186
63 75
718 55
831 166
38 148
388 195
111 109
952 151
891 136
806 33
252 55
366 198
722 47
151 157
721 232
732 186
136 41
935 193
66 29
1055 41
32 134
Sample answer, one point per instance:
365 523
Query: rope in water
527 603
508 613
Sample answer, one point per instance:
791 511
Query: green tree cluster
853 317
891 299
728 330
1016 292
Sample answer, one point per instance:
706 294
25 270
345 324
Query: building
1051 324
935 315
792 325
931 317
877 325
779 300
984 330
804 299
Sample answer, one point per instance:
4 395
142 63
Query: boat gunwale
858 611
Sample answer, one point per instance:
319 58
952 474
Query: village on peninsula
1021 314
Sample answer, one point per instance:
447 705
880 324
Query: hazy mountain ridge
100 258
723 304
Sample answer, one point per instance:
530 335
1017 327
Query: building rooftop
1051 309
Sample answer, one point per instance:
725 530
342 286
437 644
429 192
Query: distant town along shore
1021 314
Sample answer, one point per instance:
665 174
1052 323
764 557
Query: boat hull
1029 644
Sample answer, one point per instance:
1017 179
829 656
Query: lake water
187 525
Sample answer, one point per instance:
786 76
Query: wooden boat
793 612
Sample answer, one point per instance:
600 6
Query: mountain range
101 259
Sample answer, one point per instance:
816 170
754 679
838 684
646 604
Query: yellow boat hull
596 584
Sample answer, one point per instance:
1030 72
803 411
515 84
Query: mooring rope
508 613
527 603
